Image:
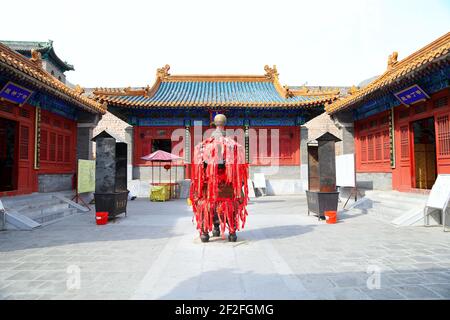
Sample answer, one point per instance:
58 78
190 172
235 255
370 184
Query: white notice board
259 180
345 170
440 193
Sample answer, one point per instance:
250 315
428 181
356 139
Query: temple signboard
411 95
15 93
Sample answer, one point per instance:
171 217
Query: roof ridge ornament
353 90
36 57
79 90
288 92
163 73
271 73
392 60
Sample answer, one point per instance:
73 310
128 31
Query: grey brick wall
374 180
54 182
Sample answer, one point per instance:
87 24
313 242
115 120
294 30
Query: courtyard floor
155 253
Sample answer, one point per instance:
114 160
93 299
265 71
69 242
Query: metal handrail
2 216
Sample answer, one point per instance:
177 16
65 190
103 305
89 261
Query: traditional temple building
399 125
45 126
168 116
50 60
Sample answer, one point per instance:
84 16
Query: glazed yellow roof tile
15 62
438 49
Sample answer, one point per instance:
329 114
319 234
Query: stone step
385 210
38 205
19 201
399 205
54 216
396 196
43 211
384 215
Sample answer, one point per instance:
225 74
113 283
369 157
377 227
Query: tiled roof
436 51
31 70
45 48
213 91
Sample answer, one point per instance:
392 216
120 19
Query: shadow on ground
275 232
226 283
145 220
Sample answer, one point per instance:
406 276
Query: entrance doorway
8 155
424 153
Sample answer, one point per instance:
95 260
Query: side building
398 125
45 126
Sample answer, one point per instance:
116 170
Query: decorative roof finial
163 72
353 90
271 73
392 60
36 57
79 90
289 93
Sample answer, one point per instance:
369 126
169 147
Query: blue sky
121 43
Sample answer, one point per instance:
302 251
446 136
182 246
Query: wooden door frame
412 151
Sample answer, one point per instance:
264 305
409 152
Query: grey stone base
55 182
374 180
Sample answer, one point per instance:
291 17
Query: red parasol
162 156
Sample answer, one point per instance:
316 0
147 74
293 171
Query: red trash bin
101 217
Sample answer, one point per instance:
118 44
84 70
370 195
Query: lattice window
24 141
44 145
7 108
52 147
404 114
443 125
442 102
370 155
386 145
363 149
404 142
420 108
378 146
24 113
384 120
60 148
67 147
45 119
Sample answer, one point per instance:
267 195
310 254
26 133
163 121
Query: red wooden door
26 174
402 173
442 127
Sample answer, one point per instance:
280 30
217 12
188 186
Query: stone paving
155 253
